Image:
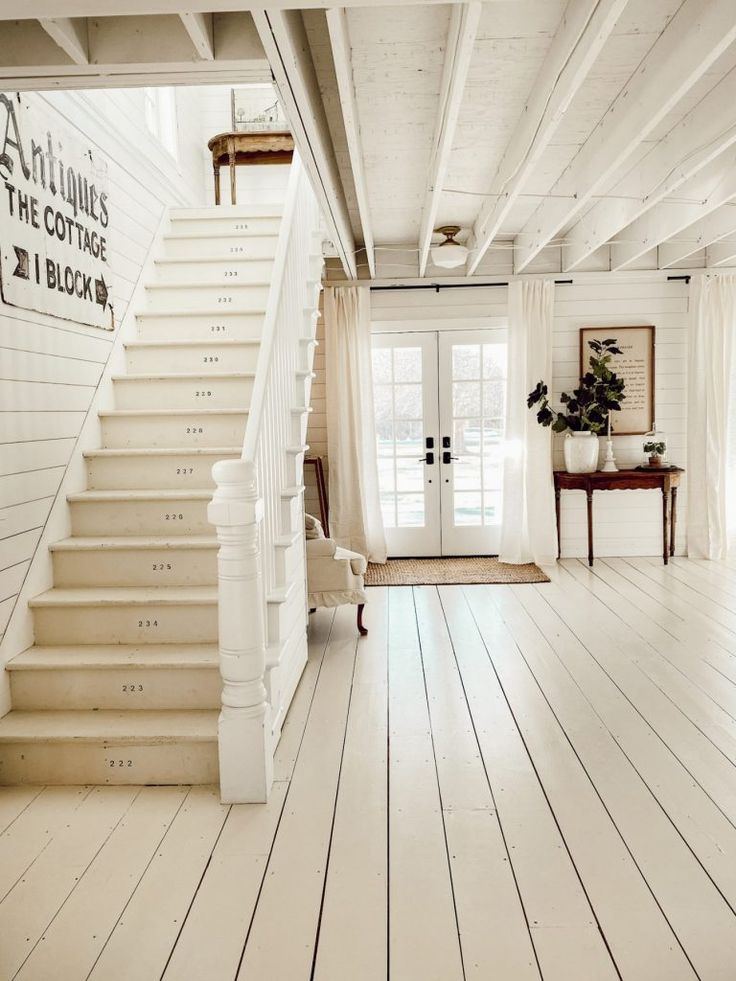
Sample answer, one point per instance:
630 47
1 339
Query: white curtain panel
355 505
528 532
710 364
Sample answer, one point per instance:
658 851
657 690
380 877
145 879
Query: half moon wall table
664 479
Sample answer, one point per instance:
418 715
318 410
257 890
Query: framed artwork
635 365
256 109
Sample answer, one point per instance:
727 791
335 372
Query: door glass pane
399 411
478 409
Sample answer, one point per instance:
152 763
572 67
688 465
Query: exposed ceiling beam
706 131
101 8
287 49
697 35
458 53
584 29
720 254
201 29
708 230
337 26
713 187
70 33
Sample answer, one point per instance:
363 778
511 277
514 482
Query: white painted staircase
123 682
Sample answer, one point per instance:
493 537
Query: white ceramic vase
581 452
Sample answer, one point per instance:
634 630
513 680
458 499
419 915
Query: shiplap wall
317 427
50 368
626 522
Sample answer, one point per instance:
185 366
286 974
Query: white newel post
245 744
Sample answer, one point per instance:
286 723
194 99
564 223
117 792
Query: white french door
440 408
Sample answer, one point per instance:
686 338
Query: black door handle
447 457
428 458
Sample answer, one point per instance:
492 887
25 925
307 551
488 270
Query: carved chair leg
361 629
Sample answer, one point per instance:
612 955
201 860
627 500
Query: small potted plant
587 410
656 450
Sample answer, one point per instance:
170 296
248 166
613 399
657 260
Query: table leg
232 180
673 519
589 495
665 529
557 516
216 169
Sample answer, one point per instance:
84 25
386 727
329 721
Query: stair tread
142 494
128 726
266 210
111 656
110 596
200 259
198 284
187 375
83 544
205 312
208 344
195 236
165 451
138 413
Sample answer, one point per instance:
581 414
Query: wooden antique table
651 479
234 149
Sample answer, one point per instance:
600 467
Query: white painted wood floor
506 782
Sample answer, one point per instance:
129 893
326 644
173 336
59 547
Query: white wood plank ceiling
560 135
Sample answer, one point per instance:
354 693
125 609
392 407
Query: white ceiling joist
201 29
101 8
340 43
719 224
694 39
713 187
287 49
70 33
706 131
721 254
582 33
458 53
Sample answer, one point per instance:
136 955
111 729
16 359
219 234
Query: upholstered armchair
334 574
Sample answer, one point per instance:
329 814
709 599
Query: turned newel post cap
235 501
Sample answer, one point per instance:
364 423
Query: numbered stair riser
225 226
61 762
133 516
122 469
108 688
216 324
105 565
195 428
234 271
192 246
181 298
201 356
205 391
132 623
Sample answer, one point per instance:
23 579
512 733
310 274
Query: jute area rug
452 571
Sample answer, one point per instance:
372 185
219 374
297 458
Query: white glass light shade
448 255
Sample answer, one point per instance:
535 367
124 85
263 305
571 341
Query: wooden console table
665 480
234 149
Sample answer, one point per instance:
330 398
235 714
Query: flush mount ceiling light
449 254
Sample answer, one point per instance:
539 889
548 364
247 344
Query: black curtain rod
453 286
678 279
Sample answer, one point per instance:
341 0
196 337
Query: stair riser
74 763
229 273
168 472
235 247
232 299
97 518
116 688
214 325
132 624
282 617
292 515
135 567
169 432
227 225
213 359
289 562
183 393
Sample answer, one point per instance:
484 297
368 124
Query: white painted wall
51 369
626 522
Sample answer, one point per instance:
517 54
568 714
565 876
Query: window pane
381 365
466 399
409 474
494 398
466 361
411 510
408 400
385 438
388 510
408 438
468 508
407 364
466 473
494 360
492 507
466 438
383 402
386 473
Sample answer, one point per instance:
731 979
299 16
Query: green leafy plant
587 409
655 448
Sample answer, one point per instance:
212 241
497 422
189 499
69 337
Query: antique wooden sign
635 365
54 218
